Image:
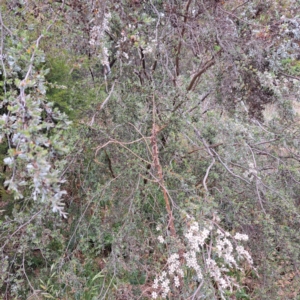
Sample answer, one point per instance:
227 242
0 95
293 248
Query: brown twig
122 144
289 76
206 66
181 36
109 165
158 167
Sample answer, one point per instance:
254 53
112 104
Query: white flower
242 252
155 284
4 117
221 246
162 277
161 239
165 283
125 55
154 295
8 161
199 274
241 237
176 281
194 226
174 264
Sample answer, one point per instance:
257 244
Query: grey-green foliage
31 127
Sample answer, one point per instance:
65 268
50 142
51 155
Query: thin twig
158 167
228 169
25 224
206 174
103 104
240 5
202 99
24 271
289 76
206 66
2 25
257 179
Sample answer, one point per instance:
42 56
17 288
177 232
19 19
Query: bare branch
206 66
201 100
206 174
289 76
103 104
257 181
122 144
228 169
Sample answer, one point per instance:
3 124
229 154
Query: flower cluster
174 266
192 262
224 248
161 239
97 38
244 254
195 237
216 273
241 237
202 246
162 282
98 32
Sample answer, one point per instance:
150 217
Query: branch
102 105
290 76
181 36
209 146
228 169
158 167
143 62
257 180
109 165
202 99
206 174
240 6
2 25
266 142
25 224
206 66
122 144
34 291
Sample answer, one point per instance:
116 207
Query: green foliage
291 66
68 86
59 81
219 81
